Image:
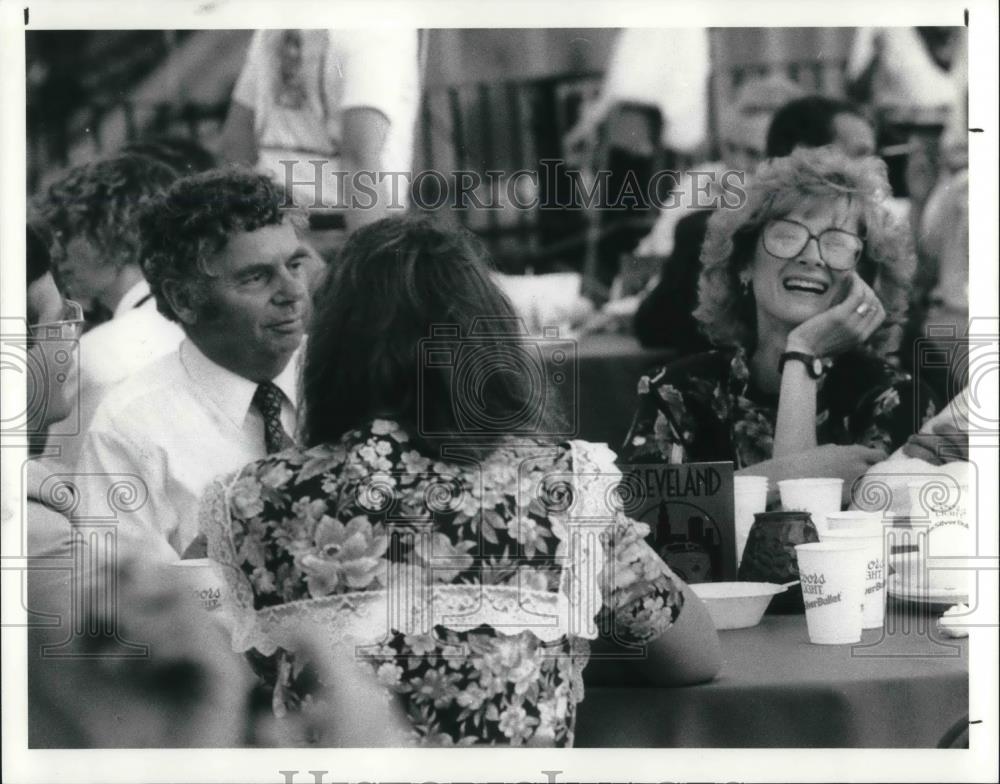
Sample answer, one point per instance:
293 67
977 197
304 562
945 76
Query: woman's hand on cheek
842 327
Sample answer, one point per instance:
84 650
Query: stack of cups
870 537
832 575
750 498
819 497
840 521
947 508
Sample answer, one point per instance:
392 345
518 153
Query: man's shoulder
150 389
118 348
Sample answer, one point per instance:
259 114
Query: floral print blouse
313 524
706 407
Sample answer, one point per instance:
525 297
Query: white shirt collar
132 297
231 392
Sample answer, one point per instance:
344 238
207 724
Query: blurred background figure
916 81
153 669
53 321
92 209
907 73
743 128
644 113
331 99
150 670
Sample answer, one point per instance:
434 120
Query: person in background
75 701
940 295
303 534
798 290
641 111
93 209
816 121
181 686
53 322
665 316
226 264
345 100
742 132
908 72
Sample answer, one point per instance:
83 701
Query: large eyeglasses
786 239
68 327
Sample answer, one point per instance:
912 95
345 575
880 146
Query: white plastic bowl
736 605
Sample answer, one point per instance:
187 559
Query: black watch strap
815 366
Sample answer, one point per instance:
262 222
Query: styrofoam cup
203 578
873 602
833 583
819 497
749 498
838 521
946 510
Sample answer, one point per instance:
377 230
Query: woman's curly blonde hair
728 316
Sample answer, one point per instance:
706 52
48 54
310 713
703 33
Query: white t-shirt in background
299 82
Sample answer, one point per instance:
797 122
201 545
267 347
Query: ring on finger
862 309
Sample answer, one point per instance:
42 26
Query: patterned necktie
268 399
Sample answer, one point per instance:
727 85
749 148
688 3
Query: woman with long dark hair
435 518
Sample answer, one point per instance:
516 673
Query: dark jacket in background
664 318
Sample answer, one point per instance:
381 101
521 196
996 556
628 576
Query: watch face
817 367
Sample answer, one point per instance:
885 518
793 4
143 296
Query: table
605 398
897 689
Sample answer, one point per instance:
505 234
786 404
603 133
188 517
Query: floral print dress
313 533
706 407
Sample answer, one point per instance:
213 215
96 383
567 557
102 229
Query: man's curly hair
192 221
728 317
99 201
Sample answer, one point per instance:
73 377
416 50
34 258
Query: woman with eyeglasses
803 290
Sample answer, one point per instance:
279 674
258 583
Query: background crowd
252 341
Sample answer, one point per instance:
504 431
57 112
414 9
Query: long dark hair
402 290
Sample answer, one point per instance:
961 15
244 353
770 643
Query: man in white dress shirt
227 264
92 209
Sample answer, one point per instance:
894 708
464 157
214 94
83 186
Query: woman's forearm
795 428
685 654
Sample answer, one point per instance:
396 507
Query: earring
745 285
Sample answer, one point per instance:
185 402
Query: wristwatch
815 366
